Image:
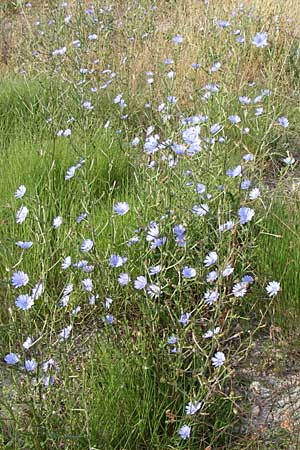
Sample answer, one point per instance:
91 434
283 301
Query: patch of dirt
269 384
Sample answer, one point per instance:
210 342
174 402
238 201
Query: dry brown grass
187 18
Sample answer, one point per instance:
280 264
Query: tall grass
278 253
122 363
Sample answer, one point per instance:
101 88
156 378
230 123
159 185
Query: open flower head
218 359
121 208
19 279
245 215
11 358
260 40
210 259
184 432
188 272
24 302
273 288
21 214
192 408
20 192
86 245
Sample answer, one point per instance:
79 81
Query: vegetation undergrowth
142 244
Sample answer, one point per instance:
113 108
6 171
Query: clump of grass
145 201
278 253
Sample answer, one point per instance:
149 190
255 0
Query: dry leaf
171 416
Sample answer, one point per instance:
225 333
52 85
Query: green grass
278 253
122 385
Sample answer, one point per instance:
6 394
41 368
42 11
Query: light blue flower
226 226
289 160
121 208
108 302
260 40
81 217
223 23
185 432
66 263
60 51
248 279
28 342
172 340
123 279
70 173
200 188
68 289
24 245
235 172
254 194
86 245
19 279
258 99
92 299
140 282
283 121
76 43
210 333
87 284
11 358
21 214
153 232
212 276
201 210
20 192
239 289
215 67
57 221
218 359
30 365
188 272
49 381
273 288
135 141
215 128
227 271
133 240
192 408
109 319
37 290
117 260
191 135
234 118
64 300
245 100
67 132
210 259
153 290
172 99
245 184
177 39
245 215
154 270
87 105
248 157
211 297
185 318
151 144
75 311
65 333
